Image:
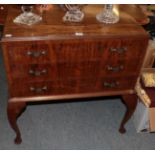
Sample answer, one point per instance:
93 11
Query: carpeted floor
75 125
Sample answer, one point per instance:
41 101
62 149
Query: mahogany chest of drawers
54 60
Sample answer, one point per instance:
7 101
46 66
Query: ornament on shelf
27 17
74 13
108 16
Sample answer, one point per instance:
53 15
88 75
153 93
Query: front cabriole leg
130 101
14 109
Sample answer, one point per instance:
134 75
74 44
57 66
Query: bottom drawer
71 86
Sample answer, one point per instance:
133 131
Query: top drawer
29 53
105 50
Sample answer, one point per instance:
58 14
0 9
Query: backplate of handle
38 90
119 50
111 84
37 72
36 54
115 69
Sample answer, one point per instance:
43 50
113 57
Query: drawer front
71 86
66 71
109 51
34 72
27 53
118 83
121 68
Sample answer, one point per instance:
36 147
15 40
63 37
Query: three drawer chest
53 60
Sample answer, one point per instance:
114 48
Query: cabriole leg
14 109
130 102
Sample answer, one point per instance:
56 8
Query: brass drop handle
115 69
36 54
38 90
111 84
119 50
37 72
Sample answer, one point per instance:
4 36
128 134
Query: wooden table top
52 24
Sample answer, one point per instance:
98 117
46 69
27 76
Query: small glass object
27 17
74 14
107 16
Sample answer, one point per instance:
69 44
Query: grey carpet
75 125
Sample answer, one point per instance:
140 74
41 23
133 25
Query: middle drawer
66 70
33 72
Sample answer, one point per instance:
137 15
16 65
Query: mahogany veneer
53 60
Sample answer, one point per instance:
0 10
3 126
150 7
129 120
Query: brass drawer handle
120 50
111 84
115 69
38 90
36 54
37 73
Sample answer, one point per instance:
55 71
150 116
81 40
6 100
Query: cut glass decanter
107 16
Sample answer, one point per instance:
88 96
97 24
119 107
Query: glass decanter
27 16
74 13
107 16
